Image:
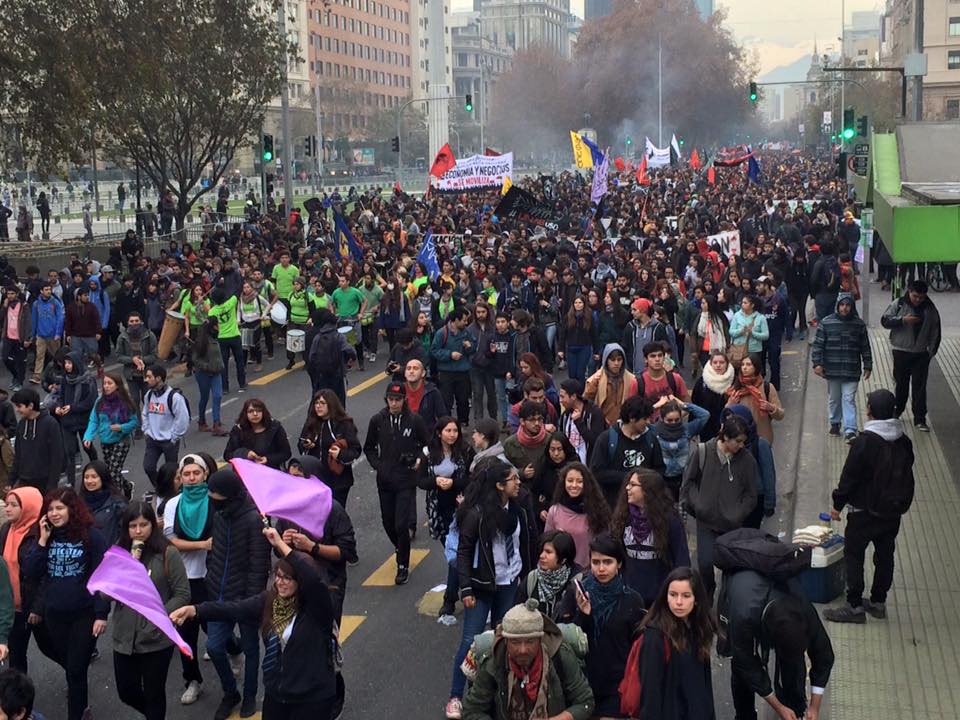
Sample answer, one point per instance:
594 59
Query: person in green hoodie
224 310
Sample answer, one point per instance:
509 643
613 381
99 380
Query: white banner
728 241
657 157
477 172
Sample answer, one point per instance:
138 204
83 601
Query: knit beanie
522 621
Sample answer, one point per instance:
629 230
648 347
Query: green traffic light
629 141
753 97
848 133
268 156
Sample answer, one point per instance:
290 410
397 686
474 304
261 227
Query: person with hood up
238 564
329 357
100 299
877 486
38 459
762 452
17 538
612 384
710 391
71 403
838 348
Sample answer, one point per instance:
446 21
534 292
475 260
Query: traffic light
308 146
629 141
267 148
862 126
395 143
753 92
468 103
681 141
848 122
270 178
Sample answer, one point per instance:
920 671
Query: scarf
639 523
573 504
668 432
749 387
96 499
114 407
718 384
192 510
31 501
607 385
282 613
550 583
529 441
604 599
529 680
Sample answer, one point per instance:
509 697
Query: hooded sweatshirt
877 476
609 391
100 299
723 493
841 342
78 389
39 453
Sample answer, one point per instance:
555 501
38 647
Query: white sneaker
454 709
206 656
236 664
192 693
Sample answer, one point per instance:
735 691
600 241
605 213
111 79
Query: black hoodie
39 453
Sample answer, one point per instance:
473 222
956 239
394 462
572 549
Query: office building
520 24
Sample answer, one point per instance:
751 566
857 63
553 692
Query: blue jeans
842 398
219 635
86 346
578 357
500 385
496 603
209 383
551 332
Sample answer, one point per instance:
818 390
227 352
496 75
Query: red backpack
631 686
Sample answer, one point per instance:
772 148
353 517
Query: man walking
165 418
914 325
877 485
452 348
14 336
82 324
47 321
840 345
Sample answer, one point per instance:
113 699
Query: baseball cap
395 390
106 268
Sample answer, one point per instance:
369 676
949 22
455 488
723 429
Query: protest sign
477 172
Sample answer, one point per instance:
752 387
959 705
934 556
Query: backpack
671 382
172 392
894 493
631 686
327 357
751 549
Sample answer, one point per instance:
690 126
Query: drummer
301 306
253 308
225 310
350 304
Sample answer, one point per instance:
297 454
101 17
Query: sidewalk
907 665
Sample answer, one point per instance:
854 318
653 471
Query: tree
172 87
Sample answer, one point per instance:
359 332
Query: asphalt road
397 658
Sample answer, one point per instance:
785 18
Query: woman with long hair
710 391
491 523
528 366
113 420
560 453
17 538
713 329
252 308
68 550
646 520
296 625
613 319
187 524
103 500
678 633
208 369
394 309
578 508
555 573
577 338
330 435
444 476
258 437
141 653
750 389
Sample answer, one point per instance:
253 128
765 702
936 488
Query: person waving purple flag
303 501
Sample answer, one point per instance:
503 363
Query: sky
779 30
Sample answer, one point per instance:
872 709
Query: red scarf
531 440
751 386
529 681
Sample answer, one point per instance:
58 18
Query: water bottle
826 520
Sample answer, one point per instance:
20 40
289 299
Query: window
954 27
461 59
953 109
953 60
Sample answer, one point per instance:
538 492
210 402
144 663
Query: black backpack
327 358
750 549
894 482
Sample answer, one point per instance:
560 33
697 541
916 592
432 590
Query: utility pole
318 149
96 183
843 57
659 85
285 112
917 107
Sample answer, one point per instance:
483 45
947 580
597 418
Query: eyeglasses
280 577
634 485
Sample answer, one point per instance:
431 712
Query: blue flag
594 151
753 169
347 245
428 256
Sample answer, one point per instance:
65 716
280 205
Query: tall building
705 8
422 29
520 24
596 8
361 59
861 39
941 44
477 62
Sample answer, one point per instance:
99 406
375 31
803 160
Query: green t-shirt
196 315
347 302
284 279
226 314
372 296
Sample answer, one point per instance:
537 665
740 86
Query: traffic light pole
285 111
400 116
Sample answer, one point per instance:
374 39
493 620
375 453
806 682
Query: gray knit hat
523 621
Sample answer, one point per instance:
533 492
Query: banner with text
521 206
477 172
728 241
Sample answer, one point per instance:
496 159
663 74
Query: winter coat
24 321
133 634
445 343
106 509
917 337
678 688
330 432
146 349
99 425
393 445
676 452
719 496
39 453
475 563
645 569
47 318
101 300
875 469
81 319
79 391
272 443
738 330
636 336
840 343
763 420
239 562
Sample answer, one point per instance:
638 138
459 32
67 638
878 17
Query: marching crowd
578 405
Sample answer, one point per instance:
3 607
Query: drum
296 341
248 337
172 327
350 331
278 313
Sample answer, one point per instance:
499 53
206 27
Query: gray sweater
720 495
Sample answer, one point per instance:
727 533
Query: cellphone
579 587
266 521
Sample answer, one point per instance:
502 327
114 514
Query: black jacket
39 453
393 446
329 432
432 407
674 688
878 474
476 538
272 443
239 562
743 597
305 671
609 469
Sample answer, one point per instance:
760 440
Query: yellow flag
582 156
507 184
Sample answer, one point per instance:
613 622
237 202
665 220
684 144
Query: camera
407 460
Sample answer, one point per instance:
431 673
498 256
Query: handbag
736 354
336 467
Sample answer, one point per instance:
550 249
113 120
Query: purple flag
599 187
124 578
303 501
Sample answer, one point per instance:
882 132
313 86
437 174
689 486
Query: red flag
490 152
397 188
711 175
642 172
443 162
695 160
621 165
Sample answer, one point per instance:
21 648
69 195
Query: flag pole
659 86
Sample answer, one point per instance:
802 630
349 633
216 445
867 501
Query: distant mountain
795 71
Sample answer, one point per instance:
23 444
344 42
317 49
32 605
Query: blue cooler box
825 581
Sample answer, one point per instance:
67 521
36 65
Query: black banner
521 206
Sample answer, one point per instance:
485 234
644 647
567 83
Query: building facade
477 62
520 24
861 39
596 8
